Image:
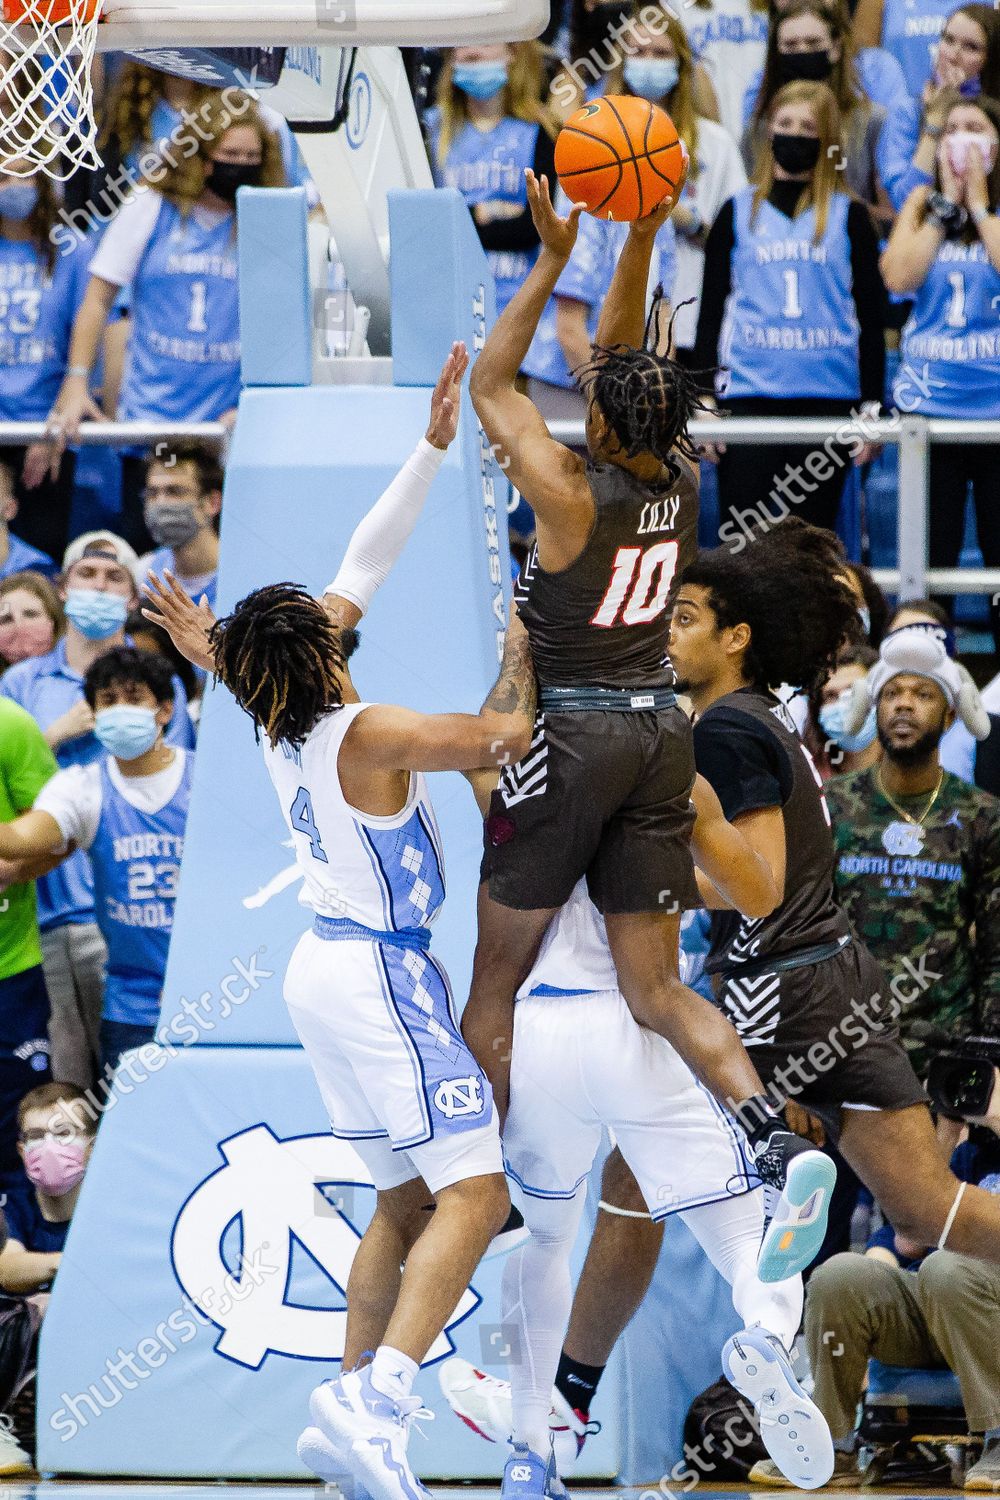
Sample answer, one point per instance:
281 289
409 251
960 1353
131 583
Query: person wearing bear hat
918 850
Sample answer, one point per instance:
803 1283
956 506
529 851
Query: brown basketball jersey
602 621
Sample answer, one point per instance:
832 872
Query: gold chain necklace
908 817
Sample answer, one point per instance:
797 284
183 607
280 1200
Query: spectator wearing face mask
56 1131
17 556
835 750
31 618
98 588
174 246
944 252
183 498
910 29
489 124
660 67
810 40
791 312
967 65
42 291
129 810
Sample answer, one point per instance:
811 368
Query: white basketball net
46 100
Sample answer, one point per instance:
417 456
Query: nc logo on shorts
282 1291
458 1097
521 1474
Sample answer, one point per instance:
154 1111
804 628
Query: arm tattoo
515 690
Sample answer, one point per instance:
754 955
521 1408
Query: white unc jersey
384 873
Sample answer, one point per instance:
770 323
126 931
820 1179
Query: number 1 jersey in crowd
387 873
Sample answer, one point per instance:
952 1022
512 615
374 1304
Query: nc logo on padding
273 1188
458 1097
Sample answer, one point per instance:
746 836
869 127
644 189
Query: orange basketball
53 11
620 156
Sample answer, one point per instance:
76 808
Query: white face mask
959 144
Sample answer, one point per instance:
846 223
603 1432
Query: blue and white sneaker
798 1187
526 1476
792 1428
368 1432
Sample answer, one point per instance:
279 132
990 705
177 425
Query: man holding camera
918 850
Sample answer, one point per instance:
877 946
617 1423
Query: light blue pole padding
276 303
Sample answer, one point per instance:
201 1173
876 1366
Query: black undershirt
520 233
867 287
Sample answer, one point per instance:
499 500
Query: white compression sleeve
730 1232
537 1298
382 534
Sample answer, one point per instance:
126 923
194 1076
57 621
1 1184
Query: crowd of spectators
835 252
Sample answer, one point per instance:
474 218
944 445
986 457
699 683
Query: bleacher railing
913 435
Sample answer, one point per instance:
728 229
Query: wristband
979 215
934 131
79 370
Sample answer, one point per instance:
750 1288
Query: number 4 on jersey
638 589
303 820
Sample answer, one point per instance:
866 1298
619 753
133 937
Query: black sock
758 1118
577 1382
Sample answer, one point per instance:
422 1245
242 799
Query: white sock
537 1297
393 1373
729 1232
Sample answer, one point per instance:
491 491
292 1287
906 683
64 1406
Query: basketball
621 156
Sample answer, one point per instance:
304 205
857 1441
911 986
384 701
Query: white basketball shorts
378 1026
581 1064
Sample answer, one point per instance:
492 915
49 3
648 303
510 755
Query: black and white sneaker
798 1186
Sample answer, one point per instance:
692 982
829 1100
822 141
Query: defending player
582 1065
605 789
372 1007
813 1006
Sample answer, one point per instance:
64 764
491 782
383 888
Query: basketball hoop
46 100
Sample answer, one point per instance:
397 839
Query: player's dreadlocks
646 398
782 586
280 655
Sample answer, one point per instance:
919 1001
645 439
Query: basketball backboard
127 24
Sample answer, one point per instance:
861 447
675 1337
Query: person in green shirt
918 854
26 764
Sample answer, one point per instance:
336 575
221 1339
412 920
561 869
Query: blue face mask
18 200
651 77
480 80
831 718
125 731
96 614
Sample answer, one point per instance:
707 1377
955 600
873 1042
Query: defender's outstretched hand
186 623
649 226
445 401
556 233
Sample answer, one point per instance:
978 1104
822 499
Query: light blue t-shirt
37 308
22 558
48 687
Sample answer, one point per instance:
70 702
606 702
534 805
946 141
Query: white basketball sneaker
792 1427
483 1403
368 1431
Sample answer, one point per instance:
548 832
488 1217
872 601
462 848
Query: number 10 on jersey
638 589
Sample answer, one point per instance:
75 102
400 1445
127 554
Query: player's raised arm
381 535
533 462
623 314
739 868
391 738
